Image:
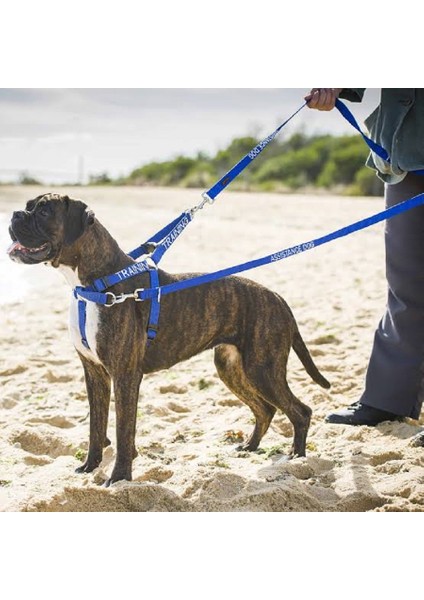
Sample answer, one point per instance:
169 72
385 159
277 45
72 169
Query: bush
366 183
27 179
347 156
302 165
101 179
238 148
299 161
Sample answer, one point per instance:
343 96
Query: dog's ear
78 219
30 205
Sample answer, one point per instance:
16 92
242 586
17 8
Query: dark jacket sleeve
352 94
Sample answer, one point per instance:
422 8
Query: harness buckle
116 299
136 296
206 199
113 299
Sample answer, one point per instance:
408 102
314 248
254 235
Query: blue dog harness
163 240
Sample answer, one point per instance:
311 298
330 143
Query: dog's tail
301 350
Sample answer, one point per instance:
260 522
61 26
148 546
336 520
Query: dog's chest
91 320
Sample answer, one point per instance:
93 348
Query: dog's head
49 224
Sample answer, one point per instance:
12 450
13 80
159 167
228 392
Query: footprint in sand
9 401
55 420
383 457
156 475
15 370
391 467
230 402
325 339
37 461
56 378
173 389
178 408
42 442
57 362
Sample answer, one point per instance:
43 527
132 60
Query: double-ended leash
163 240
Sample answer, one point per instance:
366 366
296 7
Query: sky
64 135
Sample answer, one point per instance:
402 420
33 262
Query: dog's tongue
14 246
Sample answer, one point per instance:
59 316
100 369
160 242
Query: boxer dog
251 328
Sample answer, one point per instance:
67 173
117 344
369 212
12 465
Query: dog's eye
44 212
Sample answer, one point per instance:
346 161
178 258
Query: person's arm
352 94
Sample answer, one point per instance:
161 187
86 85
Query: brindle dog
251 328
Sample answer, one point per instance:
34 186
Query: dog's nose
18 214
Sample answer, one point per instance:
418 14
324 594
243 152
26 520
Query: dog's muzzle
26 247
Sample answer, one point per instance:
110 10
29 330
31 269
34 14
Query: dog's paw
87 467
119 474
111 481
247 447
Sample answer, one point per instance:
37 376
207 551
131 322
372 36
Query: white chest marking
92 319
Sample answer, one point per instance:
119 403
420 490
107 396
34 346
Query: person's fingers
327 99
313 97
311 93
321 98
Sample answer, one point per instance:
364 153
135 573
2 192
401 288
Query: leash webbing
154 292
345 112
166 236
373 146
246 160
285 253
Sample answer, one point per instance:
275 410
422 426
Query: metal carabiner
206 199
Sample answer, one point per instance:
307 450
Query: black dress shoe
361 414
418 440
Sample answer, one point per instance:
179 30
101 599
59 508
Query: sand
189 422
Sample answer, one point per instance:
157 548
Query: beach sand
188 421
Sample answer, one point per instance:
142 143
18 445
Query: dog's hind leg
98 384
269 379
230 369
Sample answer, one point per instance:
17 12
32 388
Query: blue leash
164 238
216 189
146 294
379 150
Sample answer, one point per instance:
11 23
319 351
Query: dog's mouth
21 253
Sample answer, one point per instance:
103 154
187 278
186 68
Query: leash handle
379 150
345 112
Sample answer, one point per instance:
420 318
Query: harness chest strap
89 294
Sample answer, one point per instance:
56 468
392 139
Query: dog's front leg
126 387
98 383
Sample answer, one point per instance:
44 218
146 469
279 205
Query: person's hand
322 98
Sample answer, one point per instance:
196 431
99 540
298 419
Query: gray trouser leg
395 374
